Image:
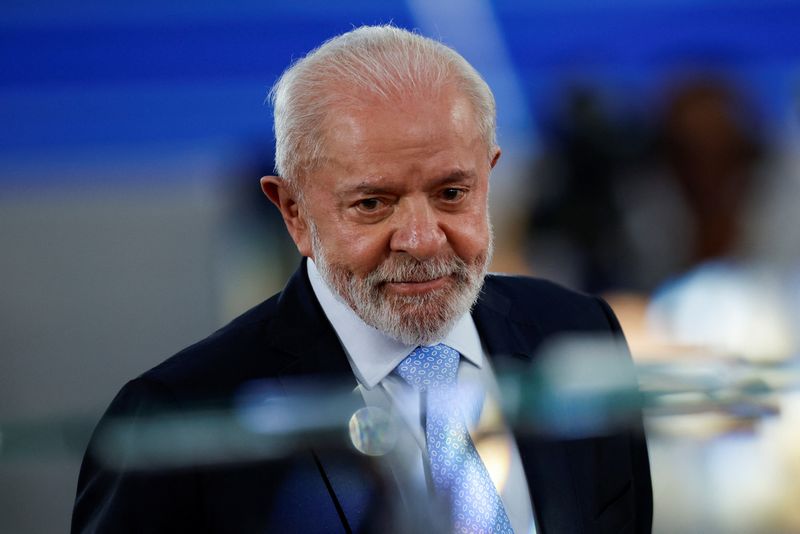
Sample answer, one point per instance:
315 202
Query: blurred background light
726 310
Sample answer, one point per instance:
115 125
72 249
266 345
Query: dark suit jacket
596 485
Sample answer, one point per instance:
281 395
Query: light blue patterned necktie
456 468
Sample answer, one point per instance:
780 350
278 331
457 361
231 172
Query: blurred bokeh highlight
651 154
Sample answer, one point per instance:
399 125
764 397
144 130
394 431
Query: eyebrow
453 177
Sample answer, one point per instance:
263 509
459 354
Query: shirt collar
373 355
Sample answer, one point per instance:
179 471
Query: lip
416 288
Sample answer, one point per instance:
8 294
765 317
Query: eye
453 194
369 204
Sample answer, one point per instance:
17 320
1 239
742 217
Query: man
385 143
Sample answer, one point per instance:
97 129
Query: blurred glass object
372 431
579 386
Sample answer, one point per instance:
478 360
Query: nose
418 231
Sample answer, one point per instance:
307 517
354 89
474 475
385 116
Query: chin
419 319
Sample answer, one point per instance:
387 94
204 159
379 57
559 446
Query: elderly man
385 144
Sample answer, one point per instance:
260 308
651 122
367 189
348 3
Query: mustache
409 269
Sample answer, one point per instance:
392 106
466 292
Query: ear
279 193
495 157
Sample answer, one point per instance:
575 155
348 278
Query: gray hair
379 61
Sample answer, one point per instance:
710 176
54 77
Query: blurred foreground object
704 416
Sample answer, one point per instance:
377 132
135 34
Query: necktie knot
433 367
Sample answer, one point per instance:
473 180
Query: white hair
383 62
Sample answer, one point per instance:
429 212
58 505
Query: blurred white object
742 311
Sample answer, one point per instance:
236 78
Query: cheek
361 251
357 248
469 239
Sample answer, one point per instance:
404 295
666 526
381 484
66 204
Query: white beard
410 319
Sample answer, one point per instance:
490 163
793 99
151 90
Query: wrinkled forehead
379 121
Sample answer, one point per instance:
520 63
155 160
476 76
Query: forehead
414 130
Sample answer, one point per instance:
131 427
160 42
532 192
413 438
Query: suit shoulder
216 365
526 288
549 304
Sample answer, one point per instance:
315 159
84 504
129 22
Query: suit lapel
302 332
510 341
313 352
504 338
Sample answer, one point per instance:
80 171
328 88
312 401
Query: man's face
398 221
